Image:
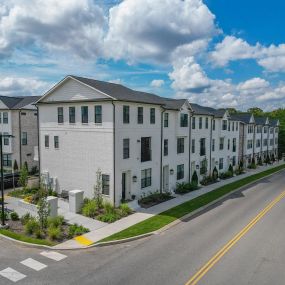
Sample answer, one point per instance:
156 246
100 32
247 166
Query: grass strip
24 238
156 222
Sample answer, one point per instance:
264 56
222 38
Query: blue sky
216 53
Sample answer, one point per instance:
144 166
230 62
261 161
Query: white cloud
67 25
151 30
19 86
157 83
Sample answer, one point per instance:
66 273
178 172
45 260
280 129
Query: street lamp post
2 176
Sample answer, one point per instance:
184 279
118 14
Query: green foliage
55 222
26 166
215 174
5 215
108 208
32 226
195 178
43 212
76 230
109 217
34 170
25 218
231 169
23 179
125 210
98 189
183 188
226 175
256 111
54 233
154 198
14 216
15 166
90 208
207 180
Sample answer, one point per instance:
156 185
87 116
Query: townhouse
139 141
18 117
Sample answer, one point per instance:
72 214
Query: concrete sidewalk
143 214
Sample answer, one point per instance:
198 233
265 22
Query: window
7 160
23 113
214 125
213 144
56 142
72 115
183 120
180 171
233 126
207 123
166 115
236 126
6 139
24 138
265 130
180 145
234 160
258 143
84 114
276 140
165 147
193 123
98 114
203 146
271 141
224 125
146 178
5 118
60 115
46 141
221 143
258 129
126 114
140 115
126 148
193 146
152 115
276 129
229 142
203 166
250 129
145 149
271 130
234 144
265 142
200 122
0 117
229 126
249 144
105 184
221 163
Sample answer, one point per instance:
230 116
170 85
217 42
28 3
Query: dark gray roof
260 120
18 102
120 92
273 122
242 117
201 110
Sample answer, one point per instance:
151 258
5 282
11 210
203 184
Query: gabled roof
208 111
18 102
260 120
274 122
242 117
122 93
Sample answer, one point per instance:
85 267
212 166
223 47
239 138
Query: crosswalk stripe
34 264
12 274
53 255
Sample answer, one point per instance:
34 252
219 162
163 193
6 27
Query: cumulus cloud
152 30
156 83
19 86
66 25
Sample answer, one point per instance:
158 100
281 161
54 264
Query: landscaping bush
108 208
90 208
5 215
32 226
155 197
14 216
259 161
55 222
195 178
231 169
183 188
76 230
54 233
207 180
226 175
215 174
109 217
25 218
125 210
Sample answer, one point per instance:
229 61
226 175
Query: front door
124 186
166 178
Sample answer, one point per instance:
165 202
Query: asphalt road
257 255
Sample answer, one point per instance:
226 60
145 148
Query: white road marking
53 255
36 265
12 274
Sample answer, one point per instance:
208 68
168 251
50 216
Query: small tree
194 179
26 165
15 166
231 170
240 165
98 189
23 179
215 173
253 161
43 211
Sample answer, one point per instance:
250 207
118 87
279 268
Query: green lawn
25 238
164 218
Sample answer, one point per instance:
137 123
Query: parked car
8 180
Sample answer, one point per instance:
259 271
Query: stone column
75 200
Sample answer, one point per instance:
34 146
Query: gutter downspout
190 143
211 138
114 153
161 144
254 137
20 138
243 143
39 156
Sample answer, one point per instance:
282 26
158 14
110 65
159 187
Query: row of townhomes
141 142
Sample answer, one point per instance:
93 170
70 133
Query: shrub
125 209
55 222
155 197
231 169
194 179
14 216
25 218
76 230
252 166
226 175
108 208
32 226
182 188
108 217
34 170
215 174
90 208
54 233
5 215
207 180
29 199
23 179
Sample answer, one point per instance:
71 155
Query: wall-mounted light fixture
197 166
171 171
135 179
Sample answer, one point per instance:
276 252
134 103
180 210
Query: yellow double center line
199 275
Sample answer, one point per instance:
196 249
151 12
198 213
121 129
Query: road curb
172 224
